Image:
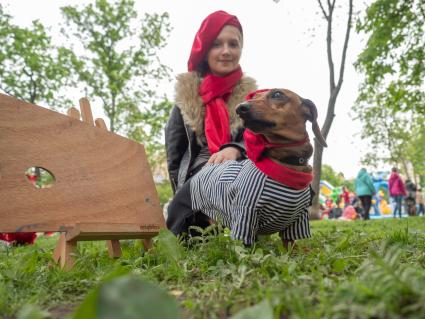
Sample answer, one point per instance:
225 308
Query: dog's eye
277 95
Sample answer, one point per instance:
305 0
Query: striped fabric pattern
248 202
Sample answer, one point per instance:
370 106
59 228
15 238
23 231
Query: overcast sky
284 46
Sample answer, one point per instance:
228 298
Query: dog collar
267 144
294 160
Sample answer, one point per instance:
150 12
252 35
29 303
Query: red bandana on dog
256 144
214 90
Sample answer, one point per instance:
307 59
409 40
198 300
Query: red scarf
214 91
256 144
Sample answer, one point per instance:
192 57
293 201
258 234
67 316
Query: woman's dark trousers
366 201
181 215
398 200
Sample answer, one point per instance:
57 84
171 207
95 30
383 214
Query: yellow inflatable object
325 190
384 207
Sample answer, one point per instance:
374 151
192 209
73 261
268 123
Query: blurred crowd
399 198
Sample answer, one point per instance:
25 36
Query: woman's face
224 55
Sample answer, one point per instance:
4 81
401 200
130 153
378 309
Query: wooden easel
103 187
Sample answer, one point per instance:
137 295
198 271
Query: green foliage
263 310
334 178
395 137
329 175
416 149
165 192
395 50
385 285
147 128
32 312
32 68
168 247
391 101
120 58
358 269
128 297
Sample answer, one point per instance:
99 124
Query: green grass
373 269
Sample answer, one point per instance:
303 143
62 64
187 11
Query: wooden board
100 177
97 231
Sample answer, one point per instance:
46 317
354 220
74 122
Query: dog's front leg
288 244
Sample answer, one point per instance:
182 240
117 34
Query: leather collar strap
291 160
294 160
267 144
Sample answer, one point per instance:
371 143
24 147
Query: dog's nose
243 108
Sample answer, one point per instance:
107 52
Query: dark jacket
411 189
185 125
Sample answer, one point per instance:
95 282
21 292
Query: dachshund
269 191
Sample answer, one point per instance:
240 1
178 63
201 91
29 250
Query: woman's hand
226 154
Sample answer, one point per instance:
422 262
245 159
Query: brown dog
280 116
267 193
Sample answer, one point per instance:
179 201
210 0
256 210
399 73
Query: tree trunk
335 87
317 173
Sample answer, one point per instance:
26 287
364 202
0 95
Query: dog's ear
311 113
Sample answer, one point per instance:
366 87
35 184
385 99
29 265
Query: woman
397 190
365 190
203 126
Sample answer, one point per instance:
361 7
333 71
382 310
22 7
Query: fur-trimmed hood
192 108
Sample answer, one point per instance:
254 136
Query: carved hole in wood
40 177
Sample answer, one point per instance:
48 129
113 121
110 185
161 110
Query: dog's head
280 115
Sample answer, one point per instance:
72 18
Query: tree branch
329 50
33 86
344 50
323 9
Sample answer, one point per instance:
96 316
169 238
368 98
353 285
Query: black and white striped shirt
249 203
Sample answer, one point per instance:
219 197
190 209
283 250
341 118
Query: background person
345 195
420 201
365 190
397 190
410 198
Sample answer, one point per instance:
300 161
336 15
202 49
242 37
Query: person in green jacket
365 190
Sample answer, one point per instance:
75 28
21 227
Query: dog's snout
243 108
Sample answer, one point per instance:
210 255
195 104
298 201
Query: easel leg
147 243
114 248
66 258
58 248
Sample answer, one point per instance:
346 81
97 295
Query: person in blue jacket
365 190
